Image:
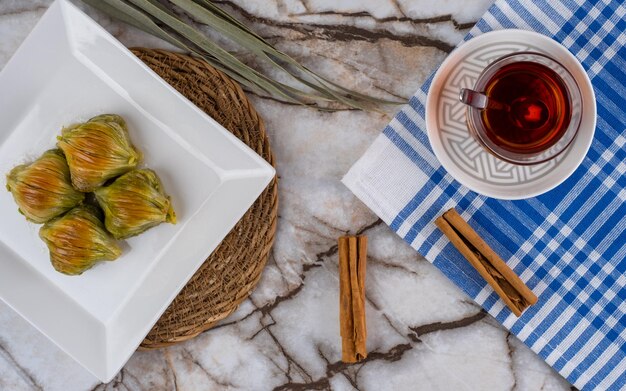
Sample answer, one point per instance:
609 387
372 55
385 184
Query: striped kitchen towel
568 245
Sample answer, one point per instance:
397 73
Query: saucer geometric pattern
462 156
456 139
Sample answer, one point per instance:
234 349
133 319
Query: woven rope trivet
228 276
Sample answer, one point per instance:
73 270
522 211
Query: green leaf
155 18
228 26
228 60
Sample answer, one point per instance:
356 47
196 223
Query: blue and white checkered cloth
568 245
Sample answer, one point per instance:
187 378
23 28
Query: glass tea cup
525 108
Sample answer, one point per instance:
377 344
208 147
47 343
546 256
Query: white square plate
70 69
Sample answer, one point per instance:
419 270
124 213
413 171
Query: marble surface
424 333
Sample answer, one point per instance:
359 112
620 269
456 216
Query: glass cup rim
477 129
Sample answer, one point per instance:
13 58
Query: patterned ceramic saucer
462 156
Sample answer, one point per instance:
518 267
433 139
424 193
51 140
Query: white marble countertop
423 332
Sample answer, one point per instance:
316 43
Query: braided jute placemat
228 276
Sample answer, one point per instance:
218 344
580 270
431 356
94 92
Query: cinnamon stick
515 294
352 262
